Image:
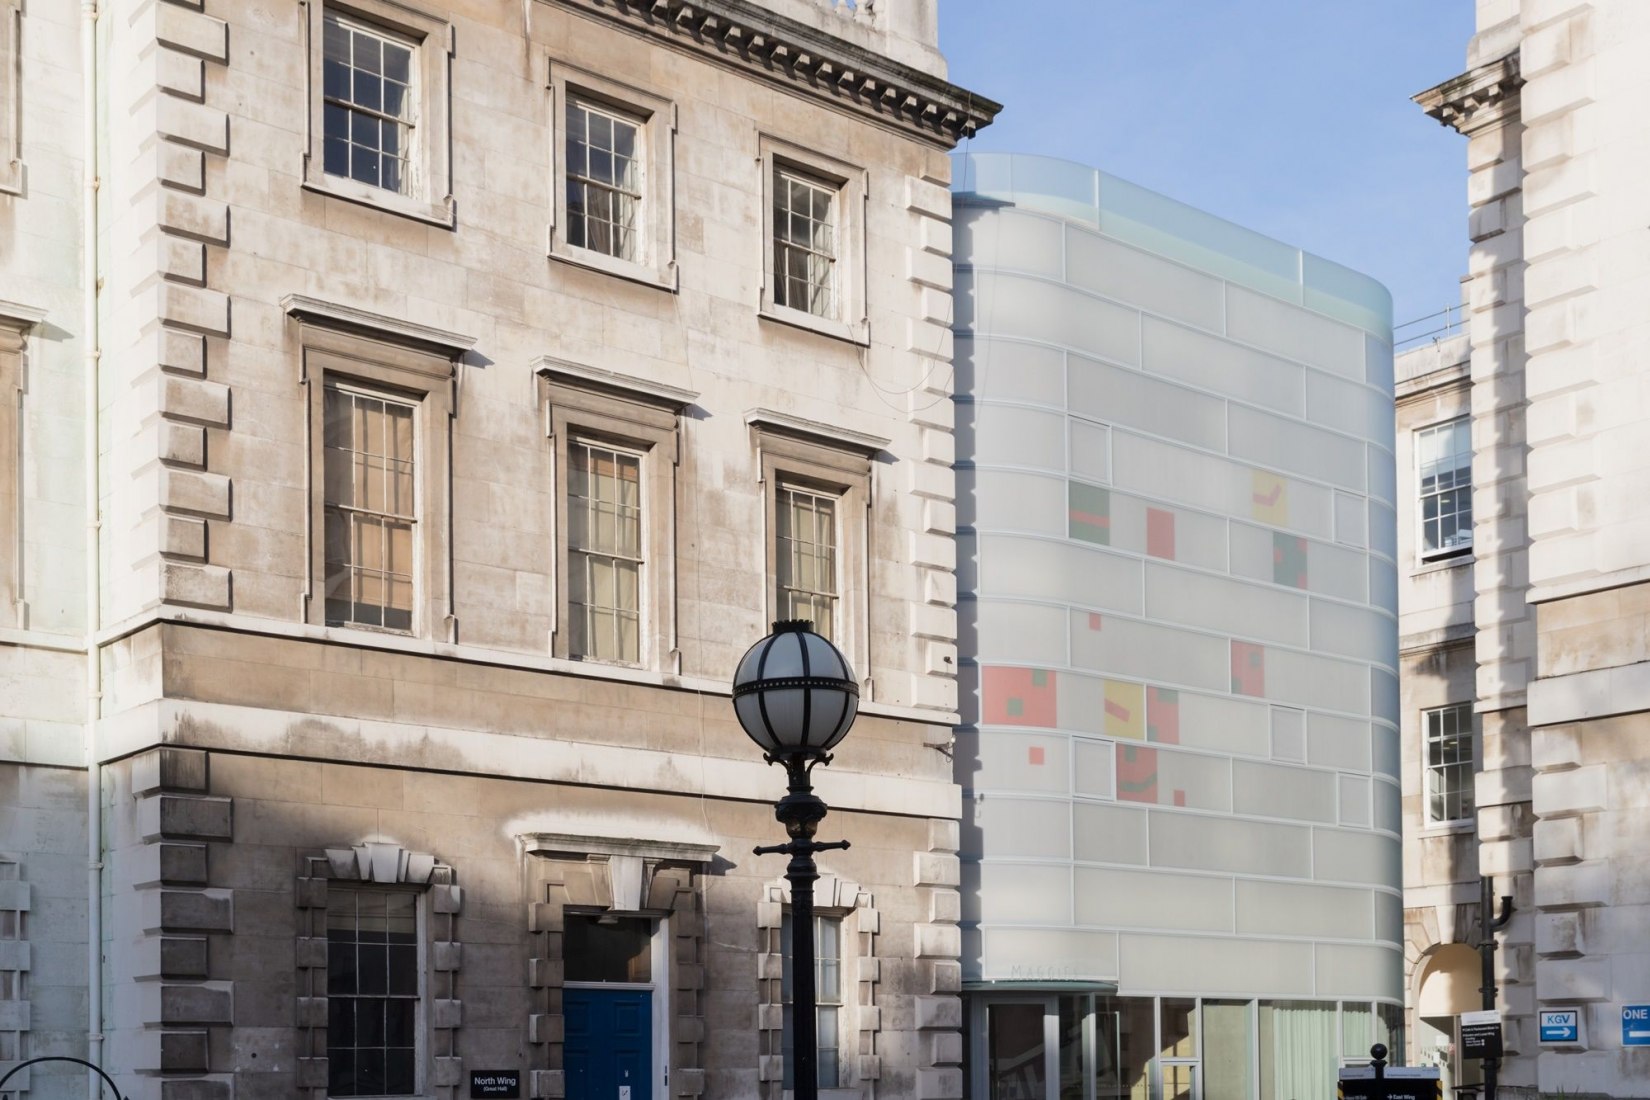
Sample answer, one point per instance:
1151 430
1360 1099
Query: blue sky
1291 117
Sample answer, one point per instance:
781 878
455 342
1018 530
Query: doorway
1034 1045
616 1024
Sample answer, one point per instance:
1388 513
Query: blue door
609 1044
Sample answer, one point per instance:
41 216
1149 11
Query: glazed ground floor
1089 1043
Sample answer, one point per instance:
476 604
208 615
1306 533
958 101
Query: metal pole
801 811
802 874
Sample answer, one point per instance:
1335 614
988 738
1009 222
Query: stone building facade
1551 392
462 388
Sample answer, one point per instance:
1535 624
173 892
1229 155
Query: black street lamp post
796 697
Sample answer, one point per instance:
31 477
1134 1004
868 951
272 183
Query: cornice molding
748 38
1479 99
769 420
377 325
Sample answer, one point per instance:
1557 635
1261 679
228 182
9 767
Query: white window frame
11 97
1462 424
584 403
428 196
1468 737
575 441
421 1036
784 490
830 461
654 262
409 374
849 320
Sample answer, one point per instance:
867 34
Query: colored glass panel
1289 560
1163 715
1125 710
1089 513
1019 696
1269 500
1160 533
1248 669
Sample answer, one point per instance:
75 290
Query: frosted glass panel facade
1174 460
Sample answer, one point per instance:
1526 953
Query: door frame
658 1000
979 1023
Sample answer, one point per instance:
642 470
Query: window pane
1443 459
1228 1051
604 552
618 951
372 1007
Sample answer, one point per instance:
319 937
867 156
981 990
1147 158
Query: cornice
1479 99
378 325
746 37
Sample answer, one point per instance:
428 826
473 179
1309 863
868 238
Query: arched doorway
1448 987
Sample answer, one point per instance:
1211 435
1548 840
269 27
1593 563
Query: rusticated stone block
449 1072
543 1027
447 955
180 351
183 1052
179 864
311 952
447 1013
169 957
938 1012
183 1005
311 1074
311 893
311 1012
545 972
169 769
549 1084
196 1088
689 1082
869 1067
544 916
446 898
939 1083
185 817
936 869
195 585
186 911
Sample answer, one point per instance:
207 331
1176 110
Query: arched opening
1449 986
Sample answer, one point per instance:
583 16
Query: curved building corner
1179 756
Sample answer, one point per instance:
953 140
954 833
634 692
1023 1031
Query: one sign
1481 1034
1563 1026
1635 1025
1400 1083
502 1083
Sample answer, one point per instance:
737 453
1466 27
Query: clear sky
1291 117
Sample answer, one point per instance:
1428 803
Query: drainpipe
94 671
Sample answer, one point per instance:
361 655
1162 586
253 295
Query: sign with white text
1635 1025
1481 1034
1561 1026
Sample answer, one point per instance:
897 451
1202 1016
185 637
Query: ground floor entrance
613 1020
1038 1044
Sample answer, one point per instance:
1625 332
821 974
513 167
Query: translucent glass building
1175 487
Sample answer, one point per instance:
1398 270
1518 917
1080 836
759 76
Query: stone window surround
585 402
629 876
820 456
388 863
656 246
403 360
851 322
16 323
11 83
860 1018
430 197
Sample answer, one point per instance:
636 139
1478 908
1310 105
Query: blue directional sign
1561 1027
1635 1025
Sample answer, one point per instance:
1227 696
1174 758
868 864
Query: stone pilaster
932 536
937 947
178 1002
